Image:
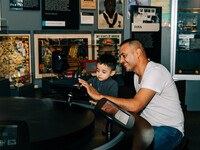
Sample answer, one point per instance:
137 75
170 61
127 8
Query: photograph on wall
137 3
88 4
145 18
110 14
146 27
57 54
24 4
15 57
59 14
166 11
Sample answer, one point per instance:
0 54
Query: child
103 83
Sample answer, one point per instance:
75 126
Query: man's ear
113 73
138 51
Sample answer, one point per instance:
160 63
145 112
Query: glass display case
185 40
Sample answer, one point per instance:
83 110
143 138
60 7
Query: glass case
185 40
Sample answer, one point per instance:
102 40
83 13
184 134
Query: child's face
104 72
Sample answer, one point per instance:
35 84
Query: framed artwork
110 14
15 56
73 49
88 4
107 44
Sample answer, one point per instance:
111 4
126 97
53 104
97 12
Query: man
156 99
110 19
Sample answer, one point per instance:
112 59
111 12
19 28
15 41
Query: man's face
128 57
110 5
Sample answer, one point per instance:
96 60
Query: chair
183 145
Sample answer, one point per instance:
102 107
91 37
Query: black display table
52 124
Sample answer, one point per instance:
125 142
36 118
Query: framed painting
51 49
15 57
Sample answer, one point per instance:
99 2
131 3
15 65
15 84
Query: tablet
116 114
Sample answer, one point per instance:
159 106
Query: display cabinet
185 40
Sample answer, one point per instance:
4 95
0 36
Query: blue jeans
166 138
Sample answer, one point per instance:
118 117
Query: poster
110 14
137 3
59 14
166 15
145 19
76 48
108 44
146 27
24 4
88 4
15 56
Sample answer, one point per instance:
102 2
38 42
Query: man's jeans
166 138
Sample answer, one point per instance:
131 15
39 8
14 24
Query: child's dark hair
108 60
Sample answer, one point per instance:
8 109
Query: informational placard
87 18
166 15
146 27
88 4
60 14
24 4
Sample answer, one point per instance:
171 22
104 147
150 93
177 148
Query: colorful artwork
107 43
73 49
15 56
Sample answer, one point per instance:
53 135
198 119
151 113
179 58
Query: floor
192 129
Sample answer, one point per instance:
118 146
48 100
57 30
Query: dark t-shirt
106 87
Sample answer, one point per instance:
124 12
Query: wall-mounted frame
15 56
88 4
77 47
107 43
104 19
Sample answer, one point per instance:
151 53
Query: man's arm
135 104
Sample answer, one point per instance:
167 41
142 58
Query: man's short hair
131 41
108 60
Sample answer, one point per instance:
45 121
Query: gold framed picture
75 48
15 56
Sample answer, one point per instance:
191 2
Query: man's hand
94 94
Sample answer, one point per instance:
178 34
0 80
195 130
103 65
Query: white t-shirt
102 23
164 109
